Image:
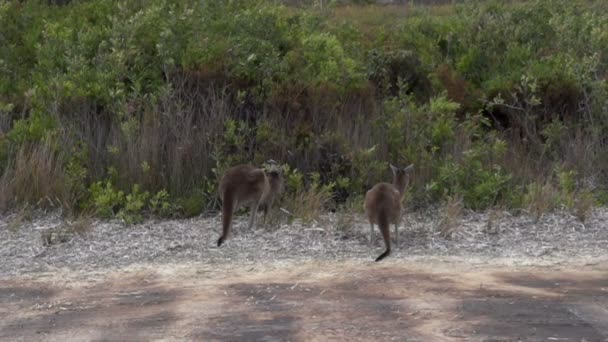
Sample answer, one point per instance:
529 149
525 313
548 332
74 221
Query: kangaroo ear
393 168
409 168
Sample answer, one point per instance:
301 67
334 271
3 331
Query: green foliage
561 190
316 185
427 136
231 150
326 60
109 202
33 129
457 90
106 199
134 204
366 169
567 181
3 153
191 205
160 204
400 70
481 186
269 142
294 180
601 198
76 174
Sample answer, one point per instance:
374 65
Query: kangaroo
247 185
383 206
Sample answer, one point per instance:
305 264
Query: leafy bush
160 204
134 203
191 205
107 201
394 69
486 98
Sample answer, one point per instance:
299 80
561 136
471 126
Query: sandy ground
311 301
498 277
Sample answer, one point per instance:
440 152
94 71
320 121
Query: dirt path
396 300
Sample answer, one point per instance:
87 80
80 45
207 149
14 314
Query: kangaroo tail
384 229
227 211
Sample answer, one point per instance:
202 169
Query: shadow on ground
359 302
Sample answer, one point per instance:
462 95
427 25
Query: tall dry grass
177 142
35 176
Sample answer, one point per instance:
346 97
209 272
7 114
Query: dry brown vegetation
141 113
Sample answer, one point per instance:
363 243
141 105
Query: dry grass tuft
21 216
347 214
372 18
583 206
452 213
309 204
541 198
494 215
79 226
66 231
275 217
35 177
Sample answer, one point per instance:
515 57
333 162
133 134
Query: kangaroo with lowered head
383 205
247 185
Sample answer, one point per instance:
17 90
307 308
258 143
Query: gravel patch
45 243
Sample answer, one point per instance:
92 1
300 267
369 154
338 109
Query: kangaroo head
401 176
275 178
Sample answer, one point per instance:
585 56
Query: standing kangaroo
383 205
247 185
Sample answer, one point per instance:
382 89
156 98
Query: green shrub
134 204
326 61
160 204
484 97
106 200
76 174
394 69
191 205
33 129
366 169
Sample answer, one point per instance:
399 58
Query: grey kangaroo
247 185
383 205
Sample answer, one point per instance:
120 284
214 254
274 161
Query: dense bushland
124 108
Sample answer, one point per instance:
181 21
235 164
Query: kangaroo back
246 185
383 205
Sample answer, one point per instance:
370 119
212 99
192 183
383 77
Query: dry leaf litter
41 245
